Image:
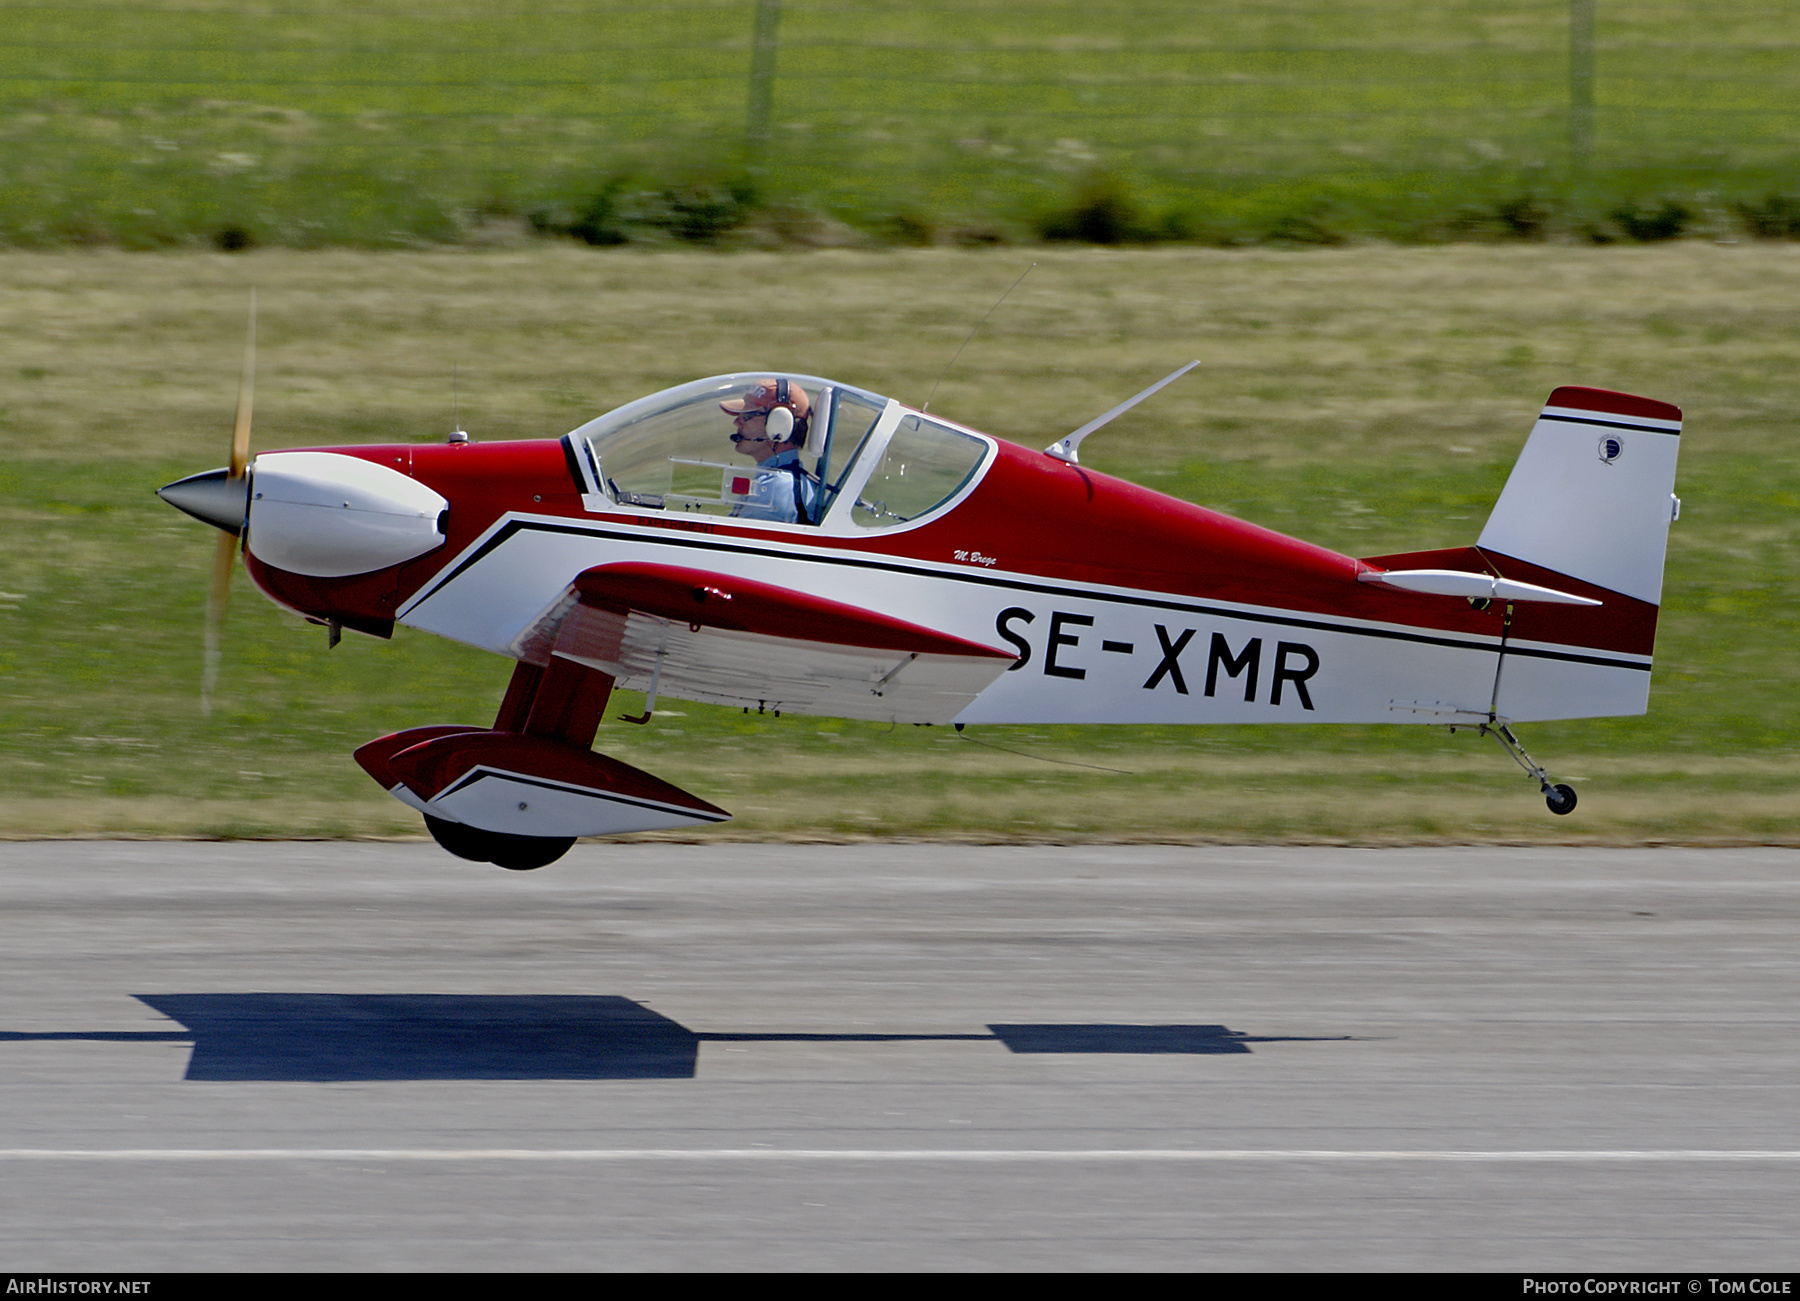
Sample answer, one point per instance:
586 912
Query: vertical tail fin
1592 494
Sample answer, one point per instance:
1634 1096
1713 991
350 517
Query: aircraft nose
213 498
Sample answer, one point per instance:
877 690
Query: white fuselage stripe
512 525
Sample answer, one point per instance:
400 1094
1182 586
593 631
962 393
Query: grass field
397 123
1368 399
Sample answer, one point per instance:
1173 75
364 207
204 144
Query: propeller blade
223 559
226 554
240 433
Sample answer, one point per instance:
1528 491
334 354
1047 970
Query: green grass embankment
150 124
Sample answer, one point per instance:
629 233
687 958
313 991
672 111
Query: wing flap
722 639
711 600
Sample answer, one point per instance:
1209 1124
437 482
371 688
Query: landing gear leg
1559 798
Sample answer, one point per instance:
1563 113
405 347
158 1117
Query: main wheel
461 839
526 853
1561 799
514 853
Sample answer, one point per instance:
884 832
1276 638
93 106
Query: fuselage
794 544
1121 604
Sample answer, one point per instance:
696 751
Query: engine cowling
327 515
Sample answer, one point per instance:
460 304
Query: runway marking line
893 1154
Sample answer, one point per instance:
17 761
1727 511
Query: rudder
1592 493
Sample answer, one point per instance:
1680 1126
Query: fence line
985 107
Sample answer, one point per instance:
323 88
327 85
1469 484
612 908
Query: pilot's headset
780 421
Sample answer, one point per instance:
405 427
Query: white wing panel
757 671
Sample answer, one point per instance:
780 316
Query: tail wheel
1559 798
514 853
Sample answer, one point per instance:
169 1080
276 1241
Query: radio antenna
972 333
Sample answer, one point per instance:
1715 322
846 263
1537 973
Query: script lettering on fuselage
1071 648
676 522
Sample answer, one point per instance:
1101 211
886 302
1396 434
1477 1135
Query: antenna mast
457 433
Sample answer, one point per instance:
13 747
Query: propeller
226 554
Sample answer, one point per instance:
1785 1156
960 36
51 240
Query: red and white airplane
800 545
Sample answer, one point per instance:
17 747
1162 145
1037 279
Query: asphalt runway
898 1056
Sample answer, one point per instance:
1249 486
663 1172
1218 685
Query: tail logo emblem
1611 447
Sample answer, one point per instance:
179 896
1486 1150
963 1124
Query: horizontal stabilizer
1455 582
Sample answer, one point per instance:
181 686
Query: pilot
770 426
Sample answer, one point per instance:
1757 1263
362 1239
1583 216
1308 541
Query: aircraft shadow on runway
322 1037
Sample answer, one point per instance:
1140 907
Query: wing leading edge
700 635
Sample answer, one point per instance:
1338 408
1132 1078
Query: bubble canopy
861 461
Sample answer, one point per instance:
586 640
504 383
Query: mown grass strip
1368 399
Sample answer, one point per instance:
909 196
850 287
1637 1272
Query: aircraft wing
700 635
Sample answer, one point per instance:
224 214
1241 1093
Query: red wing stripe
713 600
